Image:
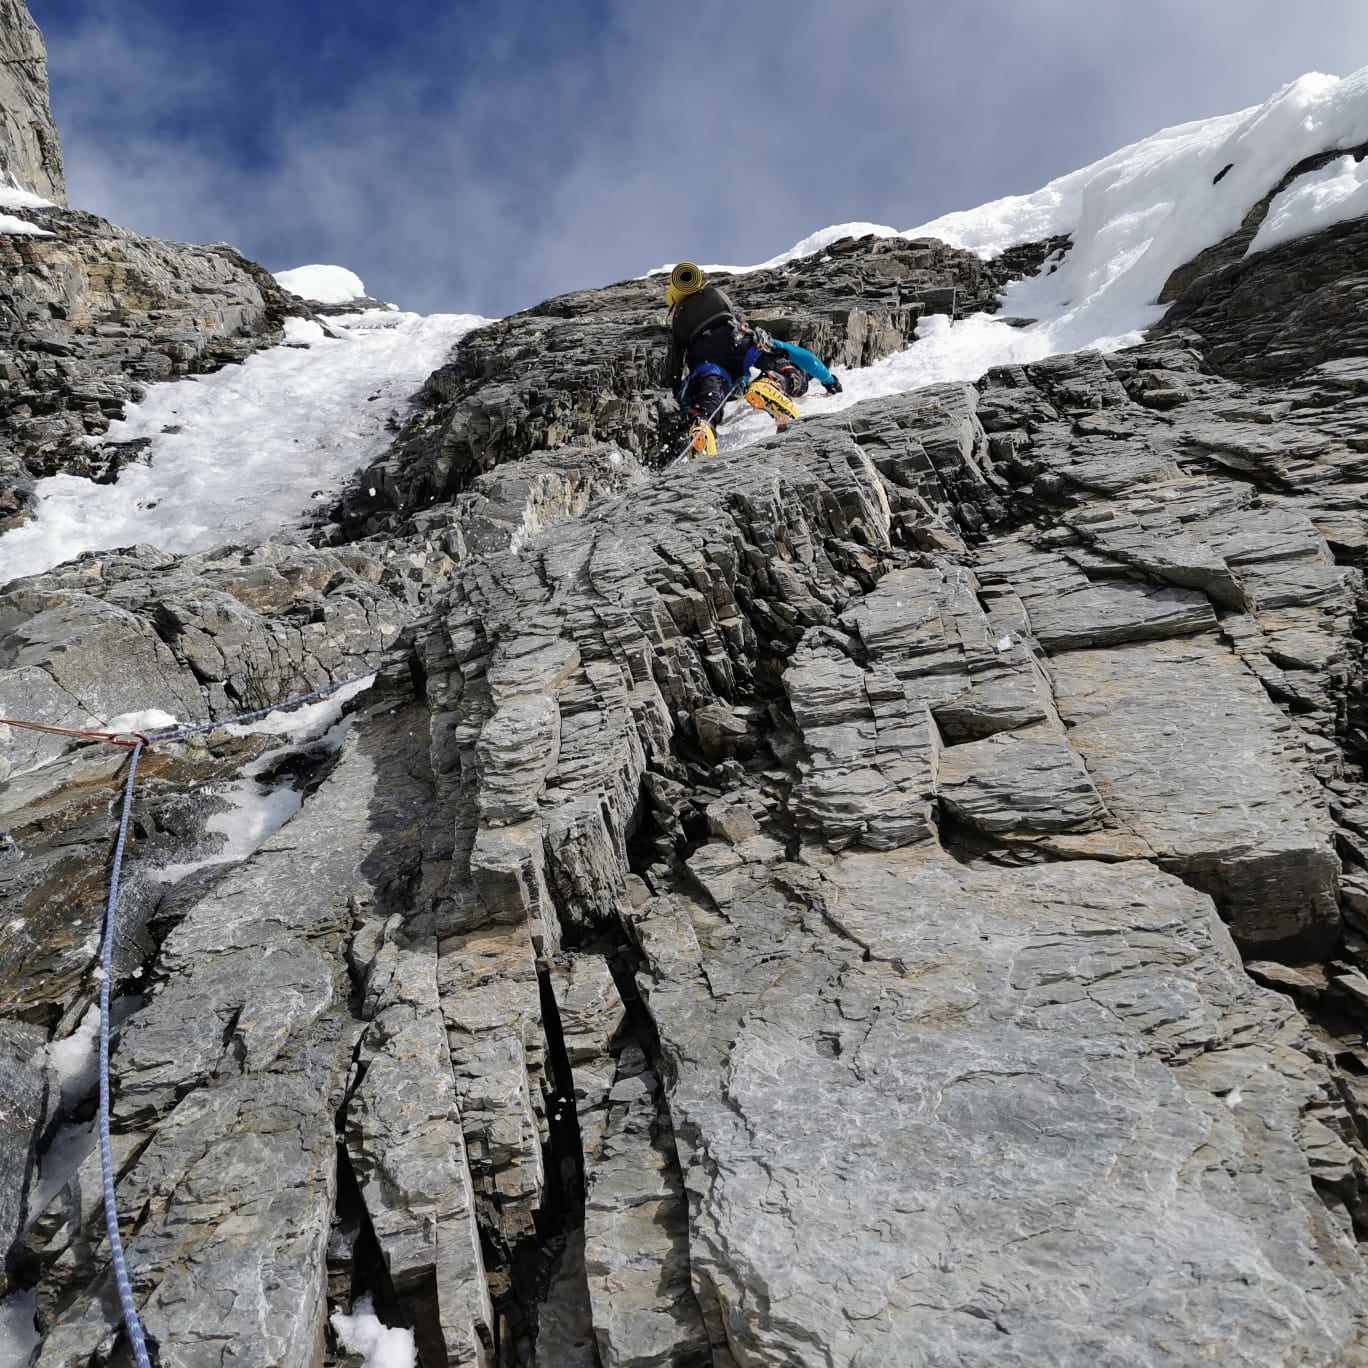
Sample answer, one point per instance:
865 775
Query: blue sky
482 156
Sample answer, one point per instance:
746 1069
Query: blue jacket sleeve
801 357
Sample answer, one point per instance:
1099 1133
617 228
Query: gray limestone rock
870 773
636 1247
1280 311
899 1149
23 1108
1026 780
30 154
229 1079
404 1138
1189 754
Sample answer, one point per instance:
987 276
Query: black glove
833 387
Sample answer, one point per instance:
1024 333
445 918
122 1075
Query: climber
709 338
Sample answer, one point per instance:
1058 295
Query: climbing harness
139 742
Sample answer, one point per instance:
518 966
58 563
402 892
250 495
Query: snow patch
73 1061
148 720
18 1338
59 1163
322 284
809 246
12 197
15 197
307 722
1314 201
238 455
303 332
254 813
362 1333
22 227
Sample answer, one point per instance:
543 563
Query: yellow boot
702 440
766 396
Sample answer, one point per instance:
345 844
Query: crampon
765 395
702 441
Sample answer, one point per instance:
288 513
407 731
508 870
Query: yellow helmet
685 279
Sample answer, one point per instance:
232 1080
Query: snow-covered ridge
1137 215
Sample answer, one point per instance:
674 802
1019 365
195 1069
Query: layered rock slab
1189 754
228 1081
983 1117
689 594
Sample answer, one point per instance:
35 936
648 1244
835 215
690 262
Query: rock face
586 367
1273 316
90 313
897 894
30 154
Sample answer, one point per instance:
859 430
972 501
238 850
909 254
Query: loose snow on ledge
1316 200
12 197
363 1332
322 284
22 227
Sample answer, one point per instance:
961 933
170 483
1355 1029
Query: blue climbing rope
132 1325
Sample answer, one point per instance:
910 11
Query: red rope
112 737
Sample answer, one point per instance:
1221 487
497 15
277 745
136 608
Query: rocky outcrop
1272 316
90 314
855 783
30 154
1230 250
586 367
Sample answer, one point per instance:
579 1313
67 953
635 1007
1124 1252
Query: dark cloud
485 165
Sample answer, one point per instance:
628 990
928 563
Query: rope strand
114 737
178 732
132 1325
127 1305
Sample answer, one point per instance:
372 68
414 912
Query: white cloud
539 153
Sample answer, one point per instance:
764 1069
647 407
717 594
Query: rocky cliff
30 153
90 314
897 894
